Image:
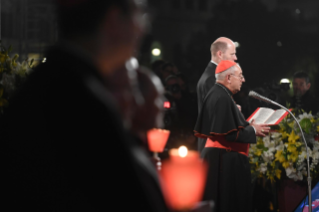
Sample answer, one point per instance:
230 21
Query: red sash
220 142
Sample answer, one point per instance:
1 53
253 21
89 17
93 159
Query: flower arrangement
12 74
283 151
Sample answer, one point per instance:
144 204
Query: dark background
276 37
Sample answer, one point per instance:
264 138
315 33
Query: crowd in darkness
181 108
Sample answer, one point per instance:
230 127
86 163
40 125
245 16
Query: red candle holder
157 139
183 180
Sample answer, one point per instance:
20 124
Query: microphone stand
308 172
303 137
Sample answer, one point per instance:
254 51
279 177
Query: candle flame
182 151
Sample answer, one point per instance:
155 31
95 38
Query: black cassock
229 178
205 83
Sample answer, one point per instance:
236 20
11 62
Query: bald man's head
223 49
223 39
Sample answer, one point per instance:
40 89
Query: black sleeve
246 135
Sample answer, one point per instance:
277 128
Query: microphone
262 98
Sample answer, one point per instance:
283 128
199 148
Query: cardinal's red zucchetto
224 65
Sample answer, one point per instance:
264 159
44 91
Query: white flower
290 171
301 166
8 82
268 156
281 146
304 115
277 140
315 155
272 149
21 68
315 146
262 168
310 151
298 176
266 139
303 154
252 147
270 144
293 174
275 135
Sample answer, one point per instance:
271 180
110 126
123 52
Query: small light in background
182 151
167 104
237 44
279 44
285 84
297 11
156 52
284 80
44 60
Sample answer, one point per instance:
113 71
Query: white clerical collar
213 62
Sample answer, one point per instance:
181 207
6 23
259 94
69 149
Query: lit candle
183 178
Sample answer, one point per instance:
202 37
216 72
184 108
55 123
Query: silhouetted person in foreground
63 141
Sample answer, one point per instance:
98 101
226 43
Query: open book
263 115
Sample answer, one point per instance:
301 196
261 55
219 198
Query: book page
275 116
262 115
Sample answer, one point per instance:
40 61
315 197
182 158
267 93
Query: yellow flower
293 156
258 152
278 173
293 137
279 156
283 133
3 57
259 142
272 179
291 124
252 148
312 120
286 164
317 128
291 148
3 101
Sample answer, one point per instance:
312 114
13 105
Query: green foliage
12 74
